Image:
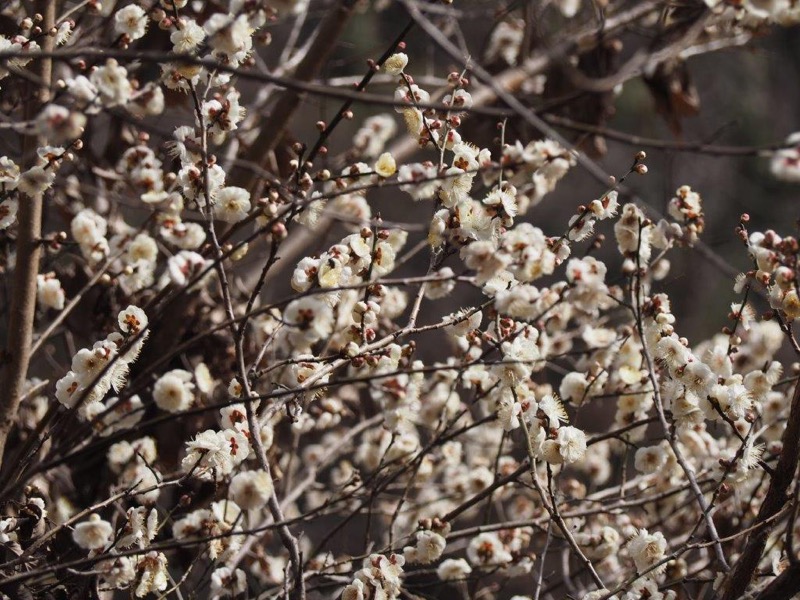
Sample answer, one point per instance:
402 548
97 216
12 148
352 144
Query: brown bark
273 129
773 502
784 587
28 246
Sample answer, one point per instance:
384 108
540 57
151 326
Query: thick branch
23 296
773 502
784 587
273 129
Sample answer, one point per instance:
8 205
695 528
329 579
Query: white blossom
49 292
214 454
453 569
131 21
386 165
251 489
487 549
428 548
174 391
152 574
232 204
93 534
395 64
647 549
112 83
187 37
228 583
59 124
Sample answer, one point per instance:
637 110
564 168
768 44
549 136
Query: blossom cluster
256 384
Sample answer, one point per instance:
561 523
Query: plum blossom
212 455
646 549
112 83
152 574
453 569
251 489
131 21
395 64
49 292
487 549
174 391
232 204
386 165
785 163
92 534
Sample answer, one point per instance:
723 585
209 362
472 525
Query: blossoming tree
225 374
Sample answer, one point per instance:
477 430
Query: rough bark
28 246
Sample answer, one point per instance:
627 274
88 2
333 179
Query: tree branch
745 567
29 248
273 129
